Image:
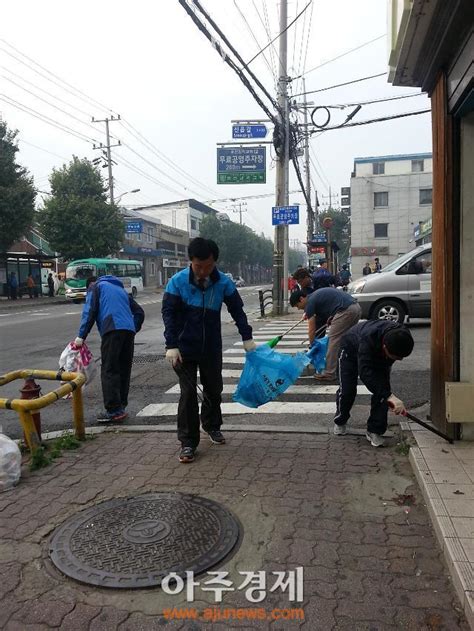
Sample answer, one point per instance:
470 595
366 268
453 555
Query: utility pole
237 208
108 147
309 210
280 254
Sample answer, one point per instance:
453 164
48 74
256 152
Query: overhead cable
374 120
271 68
339 85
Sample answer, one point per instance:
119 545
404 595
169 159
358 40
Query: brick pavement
328 503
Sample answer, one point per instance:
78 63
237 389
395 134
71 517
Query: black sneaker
186 455
216 436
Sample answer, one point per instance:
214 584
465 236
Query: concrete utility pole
309 210
108 147
239 208
280 254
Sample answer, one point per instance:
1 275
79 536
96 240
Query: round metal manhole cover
135 542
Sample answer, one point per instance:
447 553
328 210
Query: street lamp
135 190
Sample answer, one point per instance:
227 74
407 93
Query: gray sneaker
375 439
340 430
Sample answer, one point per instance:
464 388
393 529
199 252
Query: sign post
241 165
285 215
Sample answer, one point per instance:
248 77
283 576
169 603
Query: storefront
422 232
21 266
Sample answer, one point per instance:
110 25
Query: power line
129 165
266 26
348 52
339 85
42 149
380 100
279 35
374 120
303 67
249 28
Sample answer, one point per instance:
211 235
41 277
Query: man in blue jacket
192 316
118 318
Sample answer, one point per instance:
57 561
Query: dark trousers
117 357
210 371
347 392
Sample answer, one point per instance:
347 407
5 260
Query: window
417 166
150 235
193 224
152 269
426 196
380 199
378 168
181 249
139 236
133 270
421 264
380 230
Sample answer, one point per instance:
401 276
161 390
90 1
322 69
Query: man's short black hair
301 273
398 341
90 280
295 297
202 249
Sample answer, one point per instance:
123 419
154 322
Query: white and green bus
77 273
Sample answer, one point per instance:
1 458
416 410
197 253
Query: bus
77 273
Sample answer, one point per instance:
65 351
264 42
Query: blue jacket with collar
192 316
108 304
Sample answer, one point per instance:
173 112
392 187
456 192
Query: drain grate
147 359
134 542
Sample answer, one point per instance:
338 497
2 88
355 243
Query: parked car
402 288
239 281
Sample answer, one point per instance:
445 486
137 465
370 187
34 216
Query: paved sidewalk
351 515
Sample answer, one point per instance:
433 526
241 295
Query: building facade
390 196
185 215
432 47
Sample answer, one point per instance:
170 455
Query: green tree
77 220
17 193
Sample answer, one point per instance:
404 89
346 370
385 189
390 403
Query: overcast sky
148 62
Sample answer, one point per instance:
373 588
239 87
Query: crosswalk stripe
274 407
229 388
240 351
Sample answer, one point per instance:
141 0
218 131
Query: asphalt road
34 336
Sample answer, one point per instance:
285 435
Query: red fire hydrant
31 390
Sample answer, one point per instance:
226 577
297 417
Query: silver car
402 288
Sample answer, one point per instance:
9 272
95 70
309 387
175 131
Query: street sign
285 215
133 226
249 131
241 165
319 237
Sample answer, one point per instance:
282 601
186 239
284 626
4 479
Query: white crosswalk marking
274 407
229 388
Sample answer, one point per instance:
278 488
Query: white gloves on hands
397 406
78 342
174 356
249 345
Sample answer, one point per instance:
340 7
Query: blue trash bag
267 374
317 353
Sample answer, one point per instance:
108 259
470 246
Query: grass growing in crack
44 455
403 447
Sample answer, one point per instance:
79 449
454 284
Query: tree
340 231
17 193
77 220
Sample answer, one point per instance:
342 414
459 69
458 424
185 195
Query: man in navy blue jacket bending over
118 318
192 316
368 350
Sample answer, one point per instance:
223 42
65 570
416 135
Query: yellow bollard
29 429
78 413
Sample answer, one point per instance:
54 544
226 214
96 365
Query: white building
390 197
185 214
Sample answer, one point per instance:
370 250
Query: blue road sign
249 131
319 237
133 226
241 165
285 215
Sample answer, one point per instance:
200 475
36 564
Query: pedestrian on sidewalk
323 277
50 285
30 285
118 318
191 311
368 350
13 286
328 306
304 280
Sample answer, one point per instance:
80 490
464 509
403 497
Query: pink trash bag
78 359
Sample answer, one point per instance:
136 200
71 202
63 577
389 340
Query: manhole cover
147 359
136 541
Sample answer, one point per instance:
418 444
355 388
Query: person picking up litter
368 350
191 312
323 307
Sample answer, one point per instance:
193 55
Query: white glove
249 345
397 406
78 342
174 356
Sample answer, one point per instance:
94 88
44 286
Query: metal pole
280 254
109 161
309 210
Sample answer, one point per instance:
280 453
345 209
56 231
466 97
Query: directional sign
241 165
319 237
249 131
133 226
285 215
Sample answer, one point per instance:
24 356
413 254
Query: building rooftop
193 203
397 157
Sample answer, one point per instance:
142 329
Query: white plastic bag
78 359
10 463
